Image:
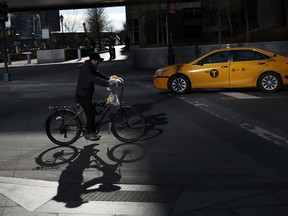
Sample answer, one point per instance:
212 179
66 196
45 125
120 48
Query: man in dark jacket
89 75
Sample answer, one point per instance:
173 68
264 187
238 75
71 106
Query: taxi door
211 71
245 67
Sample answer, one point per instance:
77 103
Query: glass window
248 55
133 26
216 58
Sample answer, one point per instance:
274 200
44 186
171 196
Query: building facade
24 29
194 22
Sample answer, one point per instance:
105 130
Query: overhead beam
28 5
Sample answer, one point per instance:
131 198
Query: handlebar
115 82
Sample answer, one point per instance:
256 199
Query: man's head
95 58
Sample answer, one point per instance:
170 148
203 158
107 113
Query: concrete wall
49 56
59 55
153 58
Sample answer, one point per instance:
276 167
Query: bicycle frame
80 113
106 108
71 122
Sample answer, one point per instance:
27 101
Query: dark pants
89 109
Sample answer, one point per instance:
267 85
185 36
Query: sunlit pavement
120 54
92 178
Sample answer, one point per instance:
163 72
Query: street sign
45 34
172 10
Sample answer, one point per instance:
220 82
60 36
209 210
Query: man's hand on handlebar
116 81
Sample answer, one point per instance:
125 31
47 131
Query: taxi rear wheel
179 84
269 82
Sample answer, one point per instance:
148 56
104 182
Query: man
89 75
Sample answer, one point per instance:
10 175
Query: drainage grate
122 196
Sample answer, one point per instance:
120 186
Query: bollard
112 53
9 59
28 58
79 54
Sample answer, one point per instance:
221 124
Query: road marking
265 134
241 121
239 95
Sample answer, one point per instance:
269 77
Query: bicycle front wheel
128 125
63 128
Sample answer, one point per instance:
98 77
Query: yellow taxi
226 68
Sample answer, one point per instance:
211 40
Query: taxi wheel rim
179 85
270 82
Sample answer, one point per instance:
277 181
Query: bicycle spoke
63 128
128 125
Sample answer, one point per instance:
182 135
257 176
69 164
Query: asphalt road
251 123
200 141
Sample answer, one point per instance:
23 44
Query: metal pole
170 55
61 20
85 31
62 35
6 75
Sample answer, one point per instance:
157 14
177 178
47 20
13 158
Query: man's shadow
71 189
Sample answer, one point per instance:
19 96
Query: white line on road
265 134
239 95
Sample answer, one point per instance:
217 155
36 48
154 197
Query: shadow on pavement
72 189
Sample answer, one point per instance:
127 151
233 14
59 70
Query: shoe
92 136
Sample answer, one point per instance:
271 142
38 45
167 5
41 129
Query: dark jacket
87 78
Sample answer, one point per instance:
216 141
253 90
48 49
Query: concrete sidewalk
39 178
38 197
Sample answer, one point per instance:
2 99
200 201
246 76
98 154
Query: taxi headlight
160 72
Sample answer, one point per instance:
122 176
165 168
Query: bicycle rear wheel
63 128
128 125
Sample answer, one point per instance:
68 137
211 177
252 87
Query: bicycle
65 124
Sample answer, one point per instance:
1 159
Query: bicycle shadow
72 189
152 125
152 121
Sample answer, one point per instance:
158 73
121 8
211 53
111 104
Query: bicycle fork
61 119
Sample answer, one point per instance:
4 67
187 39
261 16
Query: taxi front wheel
269 82
179 84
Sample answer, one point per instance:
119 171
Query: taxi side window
247 55
218 57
